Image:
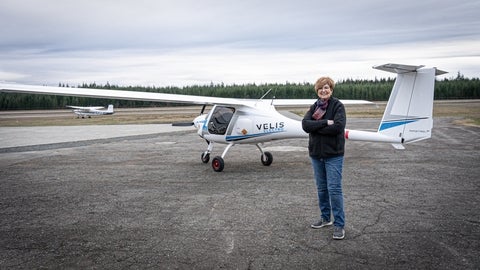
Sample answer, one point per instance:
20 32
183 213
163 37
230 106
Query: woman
325 122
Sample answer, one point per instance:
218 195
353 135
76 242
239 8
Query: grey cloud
155 24
63 33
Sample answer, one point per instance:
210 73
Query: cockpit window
220 119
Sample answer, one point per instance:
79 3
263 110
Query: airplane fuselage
91 111
243 124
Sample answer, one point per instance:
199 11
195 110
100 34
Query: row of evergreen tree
373 90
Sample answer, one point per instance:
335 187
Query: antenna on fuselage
269 90
264 95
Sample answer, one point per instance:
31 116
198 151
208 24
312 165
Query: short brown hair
323 81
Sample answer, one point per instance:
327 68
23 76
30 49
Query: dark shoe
338 233
321 223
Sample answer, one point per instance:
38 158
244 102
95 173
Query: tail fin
408 115
110 108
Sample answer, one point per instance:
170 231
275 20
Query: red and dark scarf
320 109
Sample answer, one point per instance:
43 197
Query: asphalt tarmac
146 201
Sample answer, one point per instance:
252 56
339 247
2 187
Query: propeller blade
182 124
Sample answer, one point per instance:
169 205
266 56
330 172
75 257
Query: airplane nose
199 121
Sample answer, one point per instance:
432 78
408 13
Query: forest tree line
373 90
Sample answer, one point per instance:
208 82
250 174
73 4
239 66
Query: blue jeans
328 177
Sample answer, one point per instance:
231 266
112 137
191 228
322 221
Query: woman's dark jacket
326 141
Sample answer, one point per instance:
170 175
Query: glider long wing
84 108
150 96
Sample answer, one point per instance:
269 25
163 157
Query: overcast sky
186 42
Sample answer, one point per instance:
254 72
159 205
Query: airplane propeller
182 124
187 124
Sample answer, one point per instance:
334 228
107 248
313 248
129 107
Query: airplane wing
85 108
305 102
150 96
119 94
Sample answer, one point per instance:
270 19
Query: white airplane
89 111
407 117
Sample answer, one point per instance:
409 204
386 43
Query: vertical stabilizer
408 115
110 108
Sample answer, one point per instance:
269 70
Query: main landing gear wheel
267 158
218 164
205 157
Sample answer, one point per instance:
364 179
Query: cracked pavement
149 202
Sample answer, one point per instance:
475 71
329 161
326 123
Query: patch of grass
467 112
468 122
129 119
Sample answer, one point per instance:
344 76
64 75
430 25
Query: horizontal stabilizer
400 69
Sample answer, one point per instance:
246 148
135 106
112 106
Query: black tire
266 158
205 157
218 164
